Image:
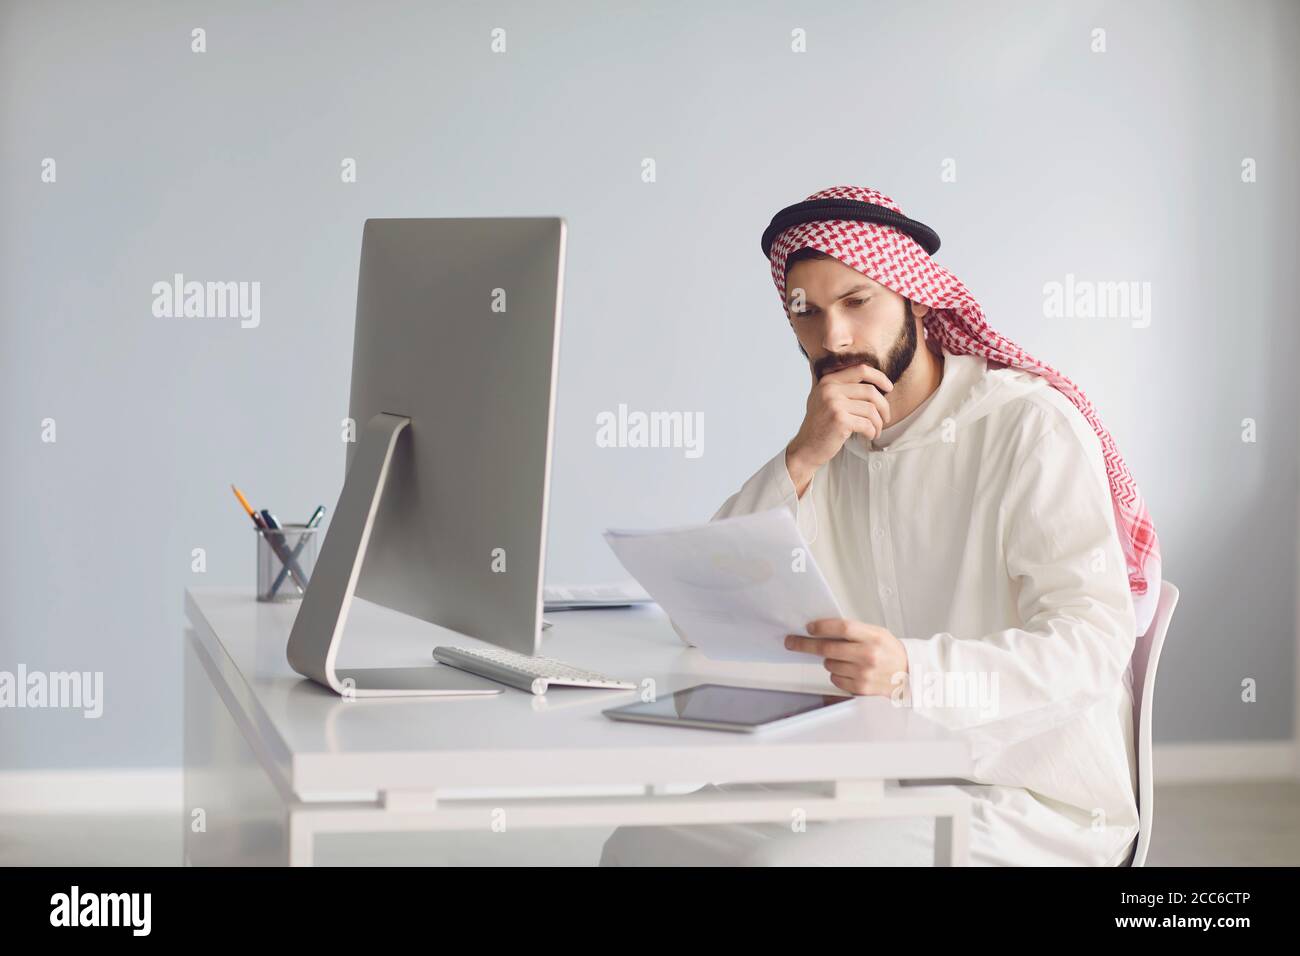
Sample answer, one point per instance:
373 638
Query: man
982 534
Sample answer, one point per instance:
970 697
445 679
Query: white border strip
91 791
1224 763
161 791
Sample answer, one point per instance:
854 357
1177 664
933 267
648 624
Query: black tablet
723 707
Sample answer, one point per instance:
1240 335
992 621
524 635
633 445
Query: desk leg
234 813
952 838
301 842
949 808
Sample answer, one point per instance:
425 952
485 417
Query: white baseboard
91 791
1226 762
160 790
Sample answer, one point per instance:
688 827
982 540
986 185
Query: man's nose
838 333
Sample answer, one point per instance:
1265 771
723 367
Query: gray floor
1242 824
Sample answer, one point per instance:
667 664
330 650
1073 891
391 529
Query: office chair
1146 656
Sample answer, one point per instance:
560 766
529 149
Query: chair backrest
1146 657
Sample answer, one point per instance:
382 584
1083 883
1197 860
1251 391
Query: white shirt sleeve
1078 627
770 487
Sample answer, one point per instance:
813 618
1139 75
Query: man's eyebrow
860 287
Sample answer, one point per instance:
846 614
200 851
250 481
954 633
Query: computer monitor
443 510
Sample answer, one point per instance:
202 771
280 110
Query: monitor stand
318 628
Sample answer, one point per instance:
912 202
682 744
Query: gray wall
1123 165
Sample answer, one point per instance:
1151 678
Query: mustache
836 361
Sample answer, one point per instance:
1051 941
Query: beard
897 359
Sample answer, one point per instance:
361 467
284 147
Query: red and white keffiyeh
956 321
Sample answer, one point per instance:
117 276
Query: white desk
272 759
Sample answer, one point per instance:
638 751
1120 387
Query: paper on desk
582 596
735 587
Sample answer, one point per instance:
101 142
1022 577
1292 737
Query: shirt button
887 591
875 466
878 533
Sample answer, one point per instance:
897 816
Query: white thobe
980 531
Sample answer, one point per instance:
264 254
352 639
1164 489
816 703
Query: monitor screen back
457 328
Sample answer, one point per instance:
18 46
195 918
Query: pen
247 507
282 550
312 522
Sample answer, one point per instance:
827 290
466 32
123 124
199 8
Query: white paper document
578 597
735 587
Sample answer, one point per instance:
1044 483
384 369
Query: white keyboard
533 674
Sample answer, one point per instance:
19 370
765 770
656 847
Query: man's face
843 318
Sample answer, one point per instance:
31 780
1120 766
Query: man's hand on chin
842 403
862 658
